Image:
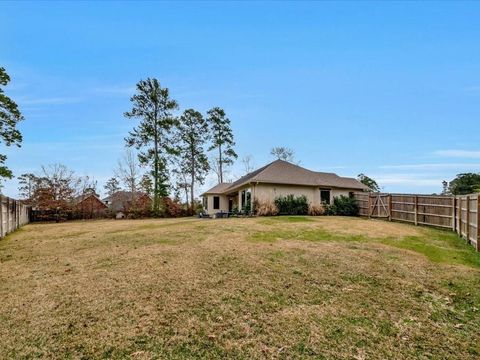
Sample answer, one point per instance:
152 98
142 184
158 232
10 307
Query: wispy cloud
115 90
49 101
455 153
415 180
473 89
440 166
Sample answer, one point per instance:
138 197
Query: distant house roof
283 172
79 199
121 200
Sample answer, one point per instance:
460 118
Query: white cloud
418 180
472 88
115 90
434 166
49 101
471 154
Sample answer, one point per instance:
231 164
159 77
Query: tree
128 171
153 105
283 153
247 162
112 186
146 184
10 115
192 136
369 182
466 183
181 175
87 186
445 189
55 188
26 186
222 139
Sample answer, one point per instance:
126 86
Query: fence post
467 227
389 207
416 209
454 212
369 205
1 216
7 230
478 222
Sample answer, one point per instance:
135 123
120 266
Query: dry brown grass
241 288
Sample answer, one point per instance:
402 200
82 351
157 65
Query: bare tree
129 172
214 165
283 153
248 165
55 187
87 185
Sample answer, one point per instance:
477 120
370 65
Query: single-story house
89 206
279 178
125 201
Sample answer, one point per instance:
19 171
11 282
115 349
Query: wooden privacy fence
13 214
458 213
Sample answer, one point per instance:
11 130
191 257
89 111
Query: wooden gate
379 205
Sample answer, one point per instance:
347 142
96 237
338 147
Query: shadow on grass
437 245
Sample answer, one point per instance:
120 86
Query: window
205 203
216 202
324 196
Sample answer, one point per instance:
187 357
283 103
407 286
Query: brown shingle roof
283 172
218 189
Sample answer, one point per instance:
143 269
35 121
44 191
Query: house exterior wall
91 207
269 192
223 204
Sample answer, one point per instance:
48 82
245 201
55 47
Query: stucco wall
223 204
269 192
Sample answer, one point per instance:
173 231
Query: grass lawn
289 287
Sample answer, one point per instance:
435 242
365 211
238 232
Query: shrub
172 208
316 210
345 206
329 209
291 205
266 209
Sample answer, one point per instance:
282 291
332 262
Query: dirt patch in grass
326 287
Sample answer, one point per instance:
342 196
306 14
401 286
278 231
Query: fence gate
379 205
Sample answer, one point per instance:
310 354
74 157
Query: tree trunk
186 193
156 201
220 163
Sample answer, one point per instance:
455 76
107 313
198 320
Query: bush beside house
291 205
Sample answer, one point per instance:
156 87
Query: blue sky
388 89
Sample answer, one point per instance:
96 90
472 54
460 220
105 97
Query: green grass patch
305 234
440 247
285 219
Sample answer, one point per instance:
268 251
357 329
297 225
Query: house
279 178
126 201
89 206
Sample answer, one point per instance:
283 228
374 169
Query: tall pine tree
152 137
10 115
192 137
222 138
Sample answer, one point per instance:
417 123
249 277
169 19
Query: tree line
171 153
